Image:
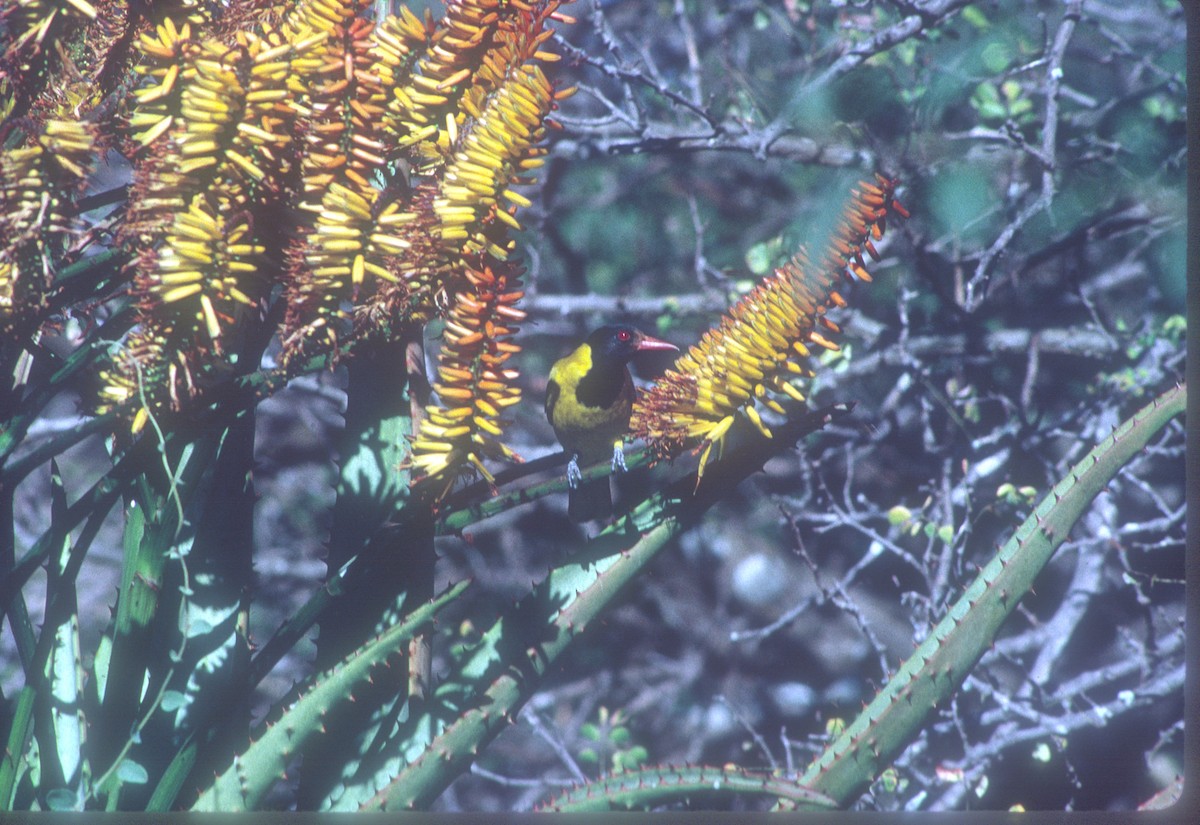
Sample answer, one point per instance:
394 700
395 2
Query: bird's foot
618 459
574 474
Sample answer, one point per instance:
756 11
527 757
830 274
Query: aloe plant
313 187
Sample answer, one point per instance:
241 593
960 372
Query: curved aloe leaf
14 761
664 784
582 590
542 625
254 770
940 664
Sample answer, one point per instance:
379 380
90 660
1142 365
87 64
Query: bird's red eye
624 335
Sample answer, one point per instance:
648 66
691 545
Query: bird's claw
574 474
618 459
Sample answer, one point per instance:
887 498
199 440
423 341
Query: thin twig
976 288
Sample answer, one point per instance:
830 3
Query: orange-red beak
645 342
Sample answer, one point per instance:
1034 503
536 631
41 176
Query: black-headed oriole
588 402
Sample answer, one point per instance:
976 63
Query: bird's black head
620 342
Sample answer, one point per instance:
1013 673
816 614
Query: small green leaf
982 786
986 101
172 700
996 57
132 773
976 17
946 533
629 760
758 259
899 515
1041 753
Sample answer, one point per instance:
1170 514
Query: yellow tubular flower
757 348
165 51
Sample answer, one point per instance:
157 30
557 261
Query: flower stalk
758 353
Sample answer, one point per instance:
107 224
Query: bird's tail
590 500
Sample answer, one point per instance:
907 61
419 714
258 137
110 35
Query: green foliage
943 661
1016 495
998 105
901 517
612 746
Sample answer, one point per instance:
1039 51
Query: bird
589 399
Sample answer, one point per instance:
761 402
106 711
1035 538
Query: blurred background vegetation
1034 299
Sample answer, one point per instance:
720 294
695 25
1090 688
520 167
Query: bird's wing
552 393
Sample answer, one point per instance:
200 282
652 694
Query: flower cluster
34 78
761 346
341 88
216 124
147 374
508 100
474 382
484 168
408 152
400 149
37 182
471 55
